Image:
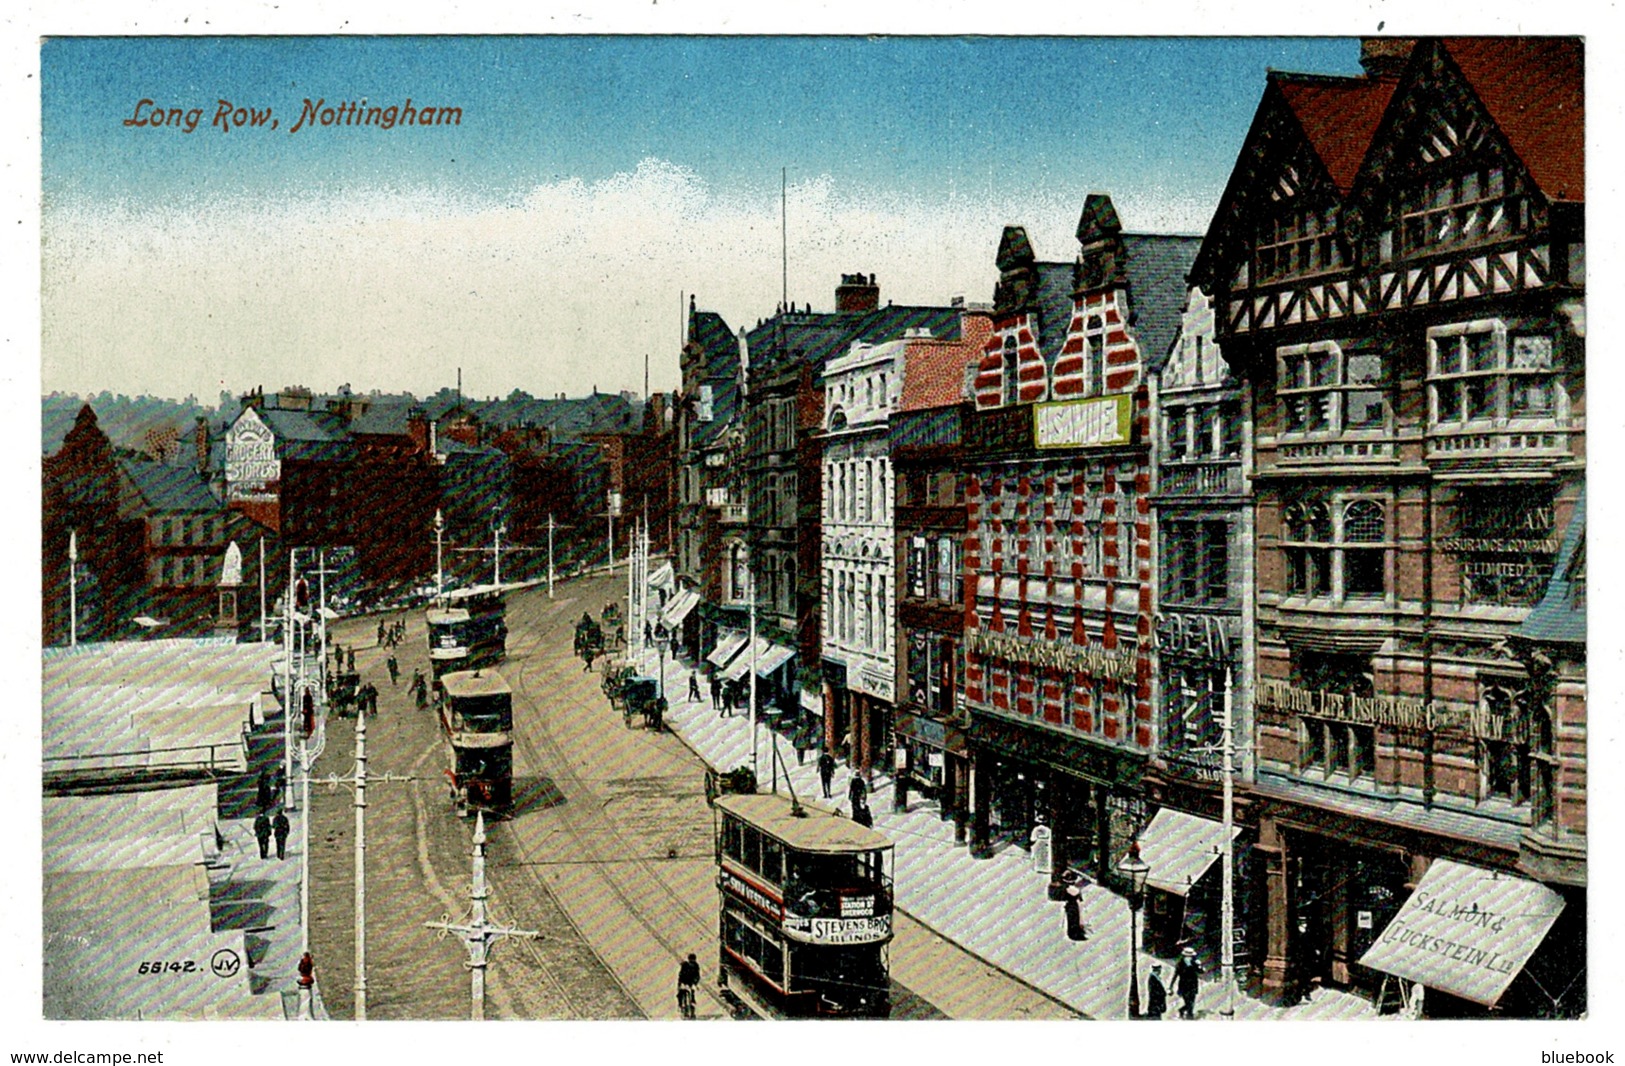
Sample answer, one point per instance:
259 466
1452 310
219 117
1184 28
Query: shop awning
728 645
1179 848
1466 931
663 578
741 664
681 604
774 657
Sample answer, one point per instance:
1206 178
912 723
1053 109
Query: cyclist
688 979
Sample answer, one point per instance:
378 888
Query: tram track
598 849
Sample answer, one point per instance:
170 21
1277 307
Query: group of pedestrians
1187 972
271 821
391 634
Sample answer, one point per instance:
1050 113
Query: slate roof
384 419
1056 282
168 488
318 436
1560 616
722 369
1157 266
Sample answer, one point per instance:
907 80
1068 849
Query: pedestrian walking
380 632
279 826
1186 971
694 686
857 791
716 695
826 771
349 657
394 669
861 814
262 798
1156 996
279 781
262 833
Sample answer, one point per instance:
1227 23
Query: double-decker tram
468 628
476 714
806 899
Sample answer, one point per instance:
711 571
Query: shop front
1462 938
1087 796
1184 888
933 762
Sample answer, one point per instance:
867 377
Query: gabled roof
1339 116
1534 88
164 488
1157 265
1560 616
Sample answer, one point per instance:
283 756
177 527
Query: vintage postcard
711 524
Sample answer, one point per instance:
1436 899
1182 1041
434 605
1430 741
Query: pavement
998 909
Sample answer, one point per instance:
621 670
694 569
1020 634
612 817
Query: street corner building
1397 272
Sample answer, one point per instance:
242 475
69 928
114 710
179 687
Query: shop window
1542 769
1484 372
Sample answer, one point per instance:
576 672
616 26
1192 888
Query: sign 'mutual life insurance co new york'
1094 423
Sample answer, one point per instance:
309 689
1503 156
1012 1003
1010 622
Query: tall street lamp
1136 870
662 640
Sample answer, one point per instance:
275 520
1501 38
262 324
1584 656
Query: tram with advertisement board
468 628
806 902
476 715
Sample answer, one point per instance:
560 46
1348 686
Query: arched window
1012 372
1364 522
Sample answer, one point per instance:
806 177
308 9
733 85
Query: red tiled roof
1534 88
934 370
1339 116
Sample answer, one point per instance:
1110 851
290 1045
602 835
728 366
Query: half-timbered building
1398 270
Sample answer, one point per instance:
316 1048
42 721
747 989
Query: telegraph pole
478 932
439 568
753 743
1228 907
550 555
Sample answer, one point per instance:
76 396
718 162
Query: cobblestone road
609 855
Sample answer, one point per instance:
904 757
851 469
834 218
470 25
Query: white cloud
565 289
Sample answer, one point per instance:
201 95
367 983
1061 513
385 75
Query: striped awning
678 609
774 657
728 645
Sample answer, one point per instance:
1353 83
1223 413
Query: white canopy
1179 848
1466 931
728 646
679 607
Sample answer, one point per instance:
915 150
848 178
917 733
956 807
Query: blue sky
591 182
906 113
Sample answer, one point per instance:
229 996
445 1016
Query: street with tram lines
608 856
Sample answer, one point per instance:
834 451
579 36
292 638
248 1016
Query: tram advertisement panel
732 882
871 930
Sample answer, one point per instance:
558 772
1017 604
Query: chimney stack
1384 57
857 293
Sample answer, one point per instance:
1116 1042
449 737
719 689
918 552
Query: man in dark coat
262 833
857 791
694 686
1156 997
394 668
279 826
1186 971
826 771
263 799
716 696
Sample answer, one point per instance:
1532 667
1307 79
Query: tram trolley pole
478 931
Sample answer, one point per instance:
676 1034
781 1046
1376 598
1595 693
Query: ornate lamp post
1136 870
662 642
